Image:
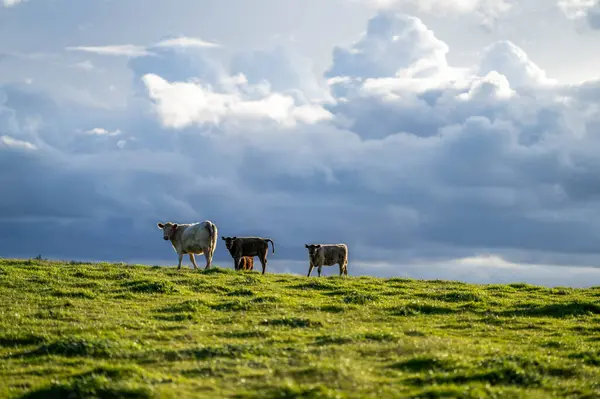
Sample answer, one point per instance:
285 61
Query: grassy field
121 331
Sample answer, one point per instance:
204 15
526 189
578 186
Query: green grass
120 331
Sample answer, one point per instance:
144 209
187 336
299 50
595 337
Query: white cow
320 255
192 238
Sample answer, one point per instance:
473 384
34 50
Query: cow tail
272 243
212 232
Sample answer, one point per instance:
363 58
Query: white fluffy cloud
511 61
392 42
182 104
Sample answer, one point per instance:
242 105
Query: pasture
133 331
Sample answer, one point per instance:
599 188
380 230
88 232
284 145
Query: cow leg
180 259
236 263
310 269
319 270
208 257
193 260
263 261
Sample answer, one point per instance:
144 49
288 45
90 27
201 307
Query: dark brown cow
246 263
239 247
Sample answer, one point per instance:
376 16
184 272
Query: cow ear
318 246
234 238
306 245
175 225
160 225
222 238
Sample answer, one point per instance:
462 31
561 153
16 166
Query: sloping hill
102 330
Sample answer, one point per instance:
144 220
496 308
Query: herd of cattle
201 239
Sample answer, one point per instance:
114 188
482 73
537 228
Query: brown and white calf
239 247
320 255
192 238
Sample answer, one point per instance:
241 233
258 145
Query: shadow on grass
243 334
241 292
191 305
177 317
294 322
147 286
425 363
332 340
217 270
232 306
554 310
230 351
379 337
591 358
102 382
508 370
414 309
318 284
293 392
77 294
359 298
77 347
456 296
14 340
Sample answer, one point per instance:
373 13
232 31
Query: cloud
12 3
127 50
9 142
102 132
284 71
85 65
488 12
132 50
392 42
183 41
181 104
409 159
489 269
586 10
463 6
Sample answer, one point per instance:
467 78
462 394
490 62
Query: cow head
228 241
312 249
168 229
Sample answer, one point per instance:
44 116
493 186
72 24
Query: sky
437 139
